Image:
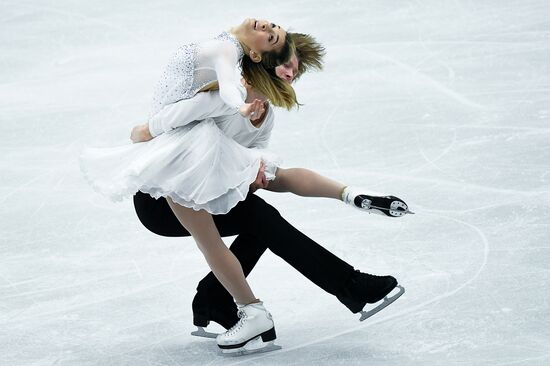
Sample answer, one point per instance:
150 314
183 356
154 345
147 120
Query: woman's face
262 36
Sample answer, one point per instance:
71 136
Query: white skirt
197 166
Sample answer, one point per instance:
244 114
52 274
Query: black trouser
259 226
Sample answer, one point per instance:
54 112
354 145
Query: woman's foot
383 205
254 331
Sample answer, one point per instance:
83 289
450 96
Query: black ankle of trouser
363 288
348 294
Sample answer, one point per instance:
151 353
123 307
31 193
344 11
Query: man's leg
263 224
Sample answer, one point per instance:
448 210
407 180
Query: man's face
289 70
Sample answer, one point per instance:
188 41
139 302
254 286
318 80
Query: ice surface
443 103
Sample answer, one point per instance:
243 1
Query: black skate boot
363 288
383 205
219 309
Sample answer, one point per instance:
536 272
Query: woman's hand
261 181
253 110
141 133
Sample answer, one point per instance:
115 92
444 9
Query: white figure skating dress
191 160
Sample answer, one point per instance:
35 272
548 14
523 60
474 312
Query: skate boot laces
242 318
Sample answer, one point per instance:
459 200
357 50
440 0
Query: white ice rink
445 104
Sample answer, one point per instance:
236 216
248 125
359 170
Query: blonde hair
261 76
309 52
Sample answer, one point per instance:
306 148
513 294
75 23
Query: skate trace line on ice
324 143
486 251
429 80
323 139
70 14
432 161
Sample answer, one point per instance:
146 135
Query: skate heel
269 335
200 320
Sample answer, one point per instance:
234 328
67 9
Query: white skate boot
383 205
254 332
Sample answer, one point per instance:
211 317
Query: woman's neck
238 35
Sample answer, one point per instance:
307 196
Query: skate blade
386 301
254 346
200 332
393 213
397 210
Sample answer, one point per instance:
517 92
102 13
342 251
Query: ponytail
309 52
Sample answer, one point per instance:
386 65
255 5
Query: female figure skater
196 168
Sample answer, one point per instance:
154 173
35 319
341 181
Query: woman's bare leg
305 182
221 260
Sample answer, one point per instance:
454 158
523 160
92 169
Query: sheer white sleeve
199 107
229 80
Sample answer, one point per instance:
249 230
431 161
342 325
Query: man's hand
261 181
252 110
141 133
259 114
